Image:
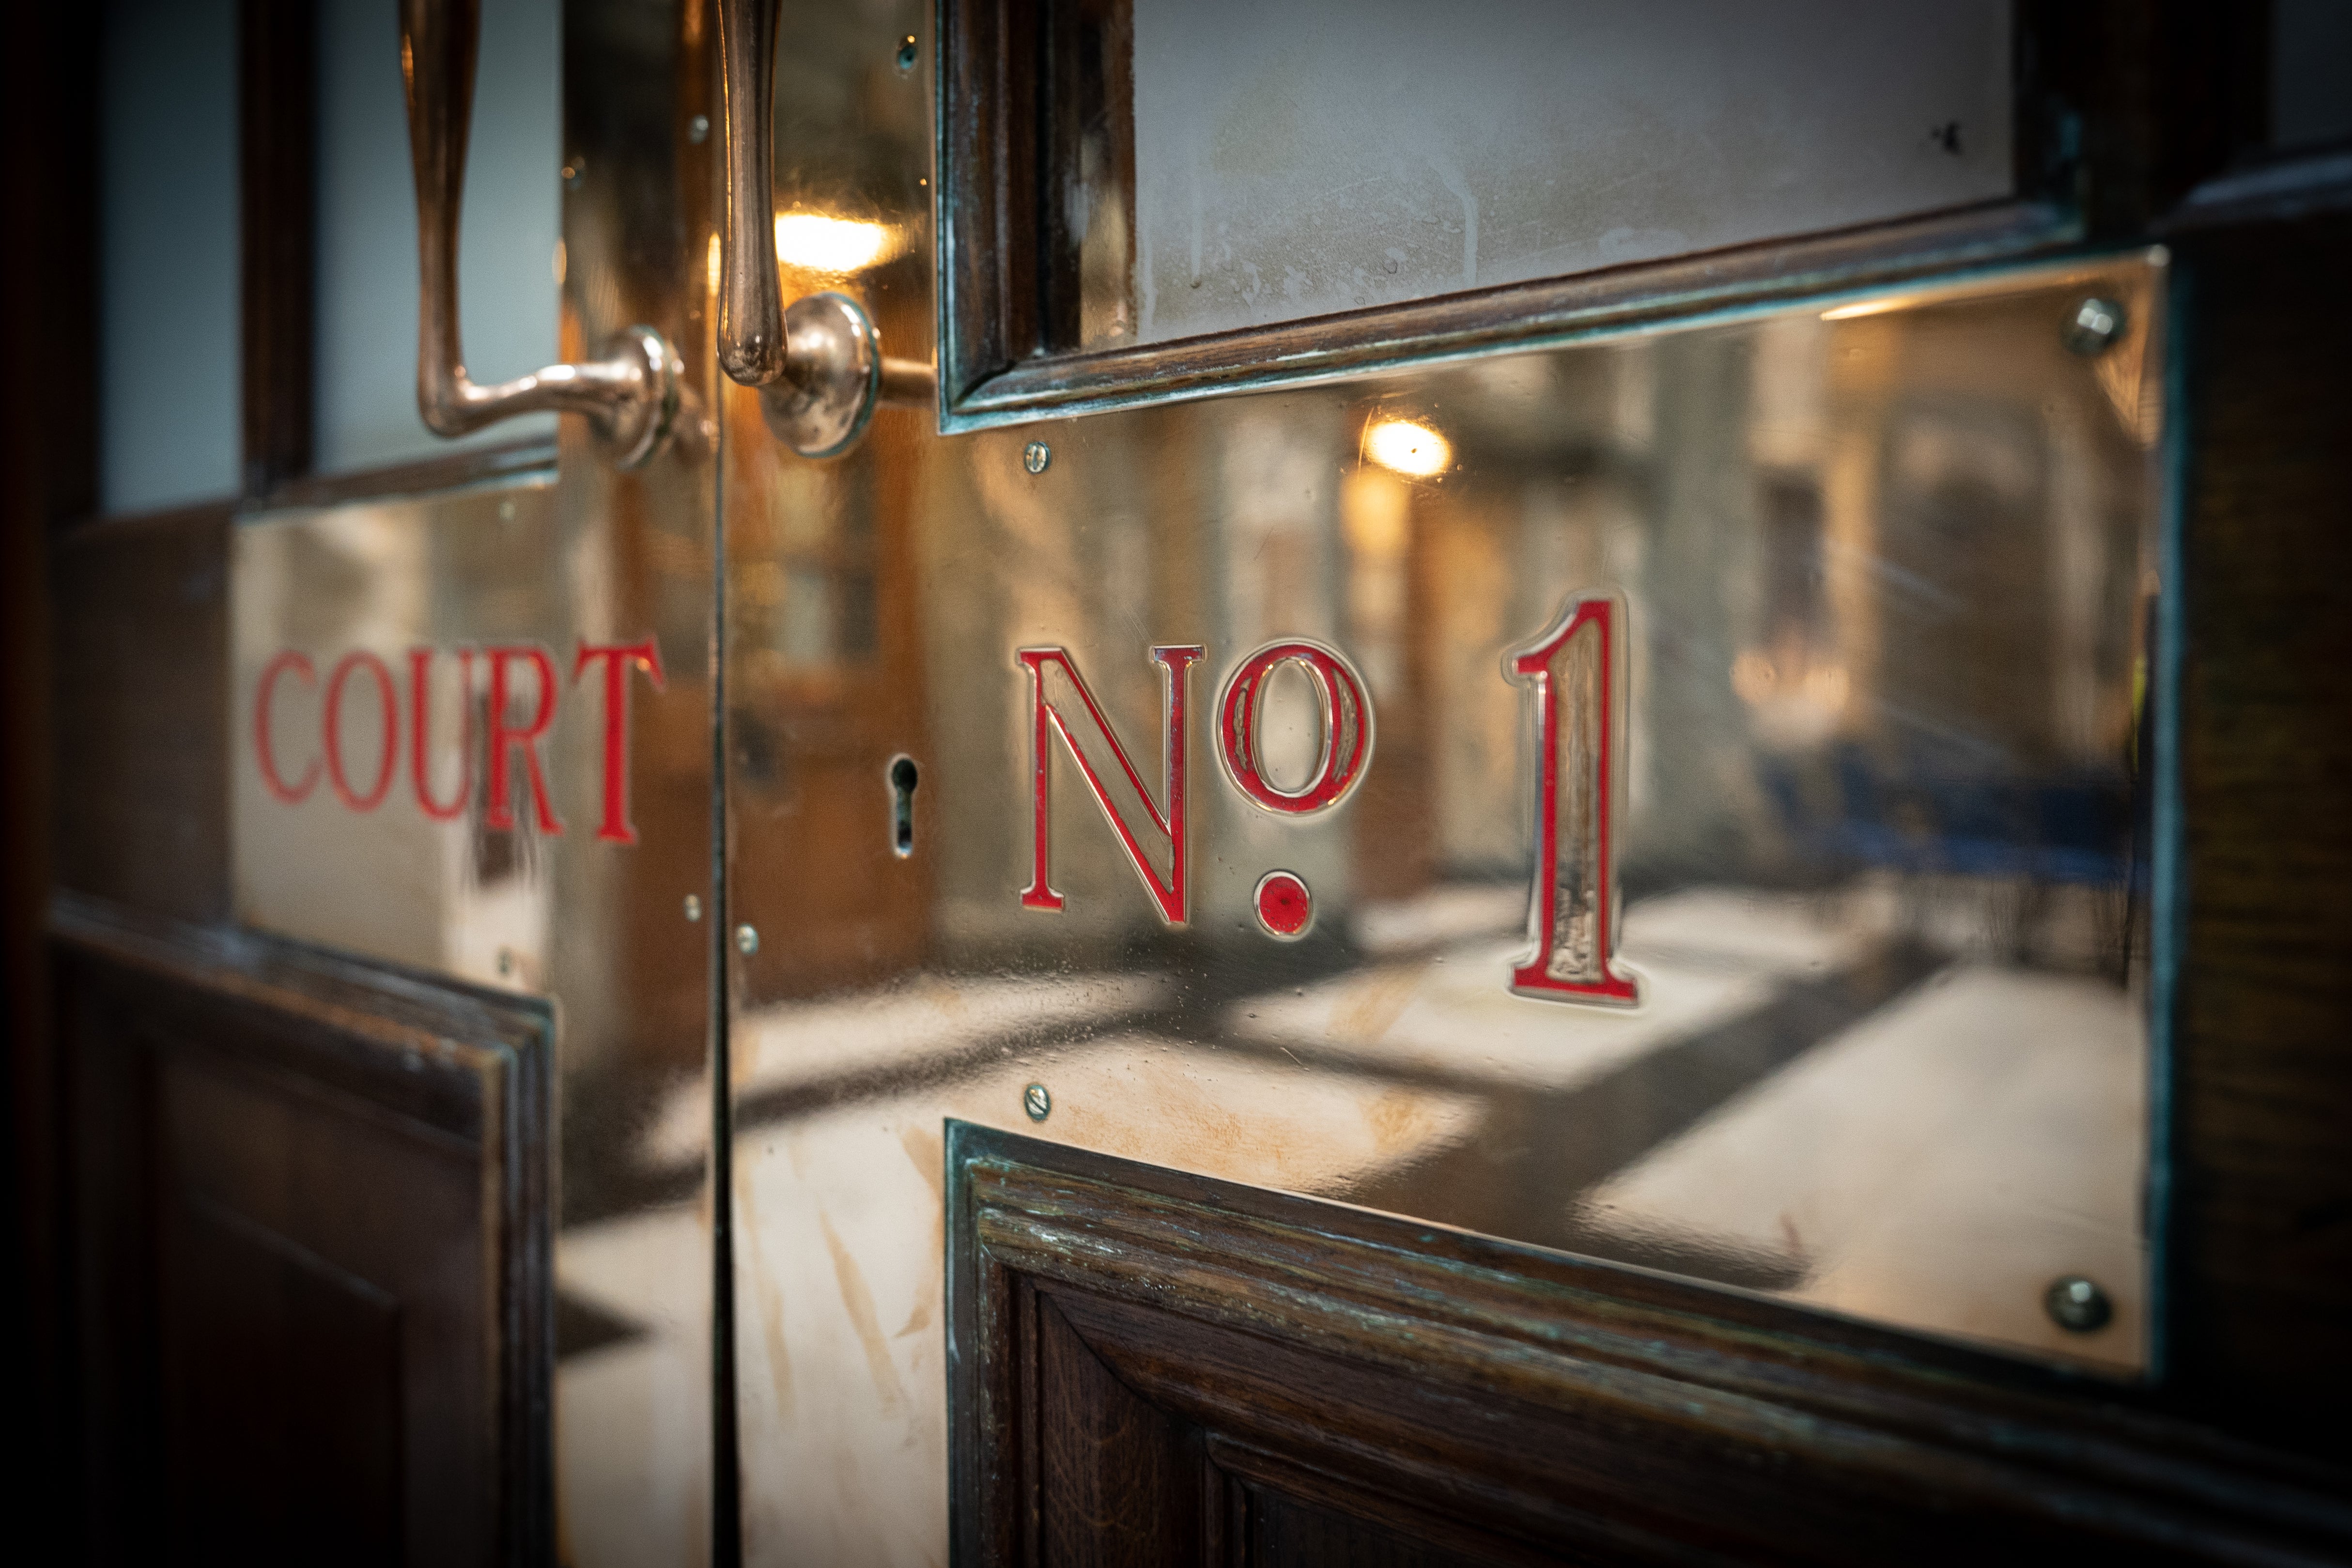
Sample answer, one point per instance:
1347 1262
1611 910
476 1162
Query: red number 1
1577 670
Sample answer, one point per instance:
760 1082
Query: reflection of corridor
1812 1102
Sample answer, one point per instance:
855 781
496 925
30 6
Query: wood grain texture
310 1212
2259 1257
1329 1375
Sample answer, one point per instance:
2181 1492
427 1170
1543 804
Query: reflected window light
1408 448
820 243
1866 307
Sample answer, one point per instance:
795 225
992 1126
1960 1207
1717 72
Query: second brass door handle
629 391
819 366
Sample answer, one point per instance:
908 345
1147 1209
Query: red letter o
1347 714
331 731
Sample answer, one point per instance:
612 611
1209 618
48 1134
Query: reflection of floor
1936 1165
633 1407
840 1252
1811 1102
1704 958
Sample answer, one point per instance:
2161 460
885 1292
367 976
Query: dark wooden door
1156 1369
312 1248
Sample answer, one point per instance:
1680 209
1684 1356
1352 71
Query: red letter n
505 739
1109 776
619 657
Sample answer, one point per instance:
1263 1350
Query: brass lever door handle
819 366
629 391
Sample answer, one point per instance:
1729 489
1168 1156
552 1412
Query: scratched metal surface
1888 569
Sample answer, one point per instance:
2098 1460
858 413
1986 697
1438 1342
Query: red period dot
1285 906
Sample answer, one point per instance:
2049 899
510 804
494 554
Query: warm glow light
1866 308
822 244
1407 447
1759 681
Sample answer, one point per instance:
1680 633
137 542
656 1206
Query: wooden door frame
1514 1405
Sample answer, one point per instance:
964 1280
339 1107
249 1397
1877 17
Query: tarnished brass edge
1685 292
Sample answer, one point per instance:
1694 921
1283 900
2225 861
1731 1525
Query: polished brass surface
1888 578
629 391
1888 564
412 857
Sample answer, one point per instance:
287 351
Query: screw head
698 129
906 53
1037 1102
1036 456
572 172
2077 1304
2096 327
693 908
747 940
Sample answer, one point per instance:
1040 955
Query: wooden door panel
1148 1367
311 1211
282 1379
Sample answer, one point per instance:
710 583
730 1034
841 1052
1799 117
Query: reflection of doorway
822 701
1964 560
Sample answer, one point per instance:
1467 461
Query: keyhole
902 806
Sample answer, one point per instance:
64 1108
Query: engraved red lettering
619 659
1346 720
1095 749
271 779
420 732
330 730
505 739
1577 670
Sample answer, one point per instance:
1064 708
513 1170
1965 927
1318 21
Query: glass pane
168 310
1224 165
510 263
2311 74
1882 574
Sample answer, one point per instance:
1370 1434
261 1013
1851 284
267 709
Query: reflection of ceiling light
822 244
1866 308
1407 447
